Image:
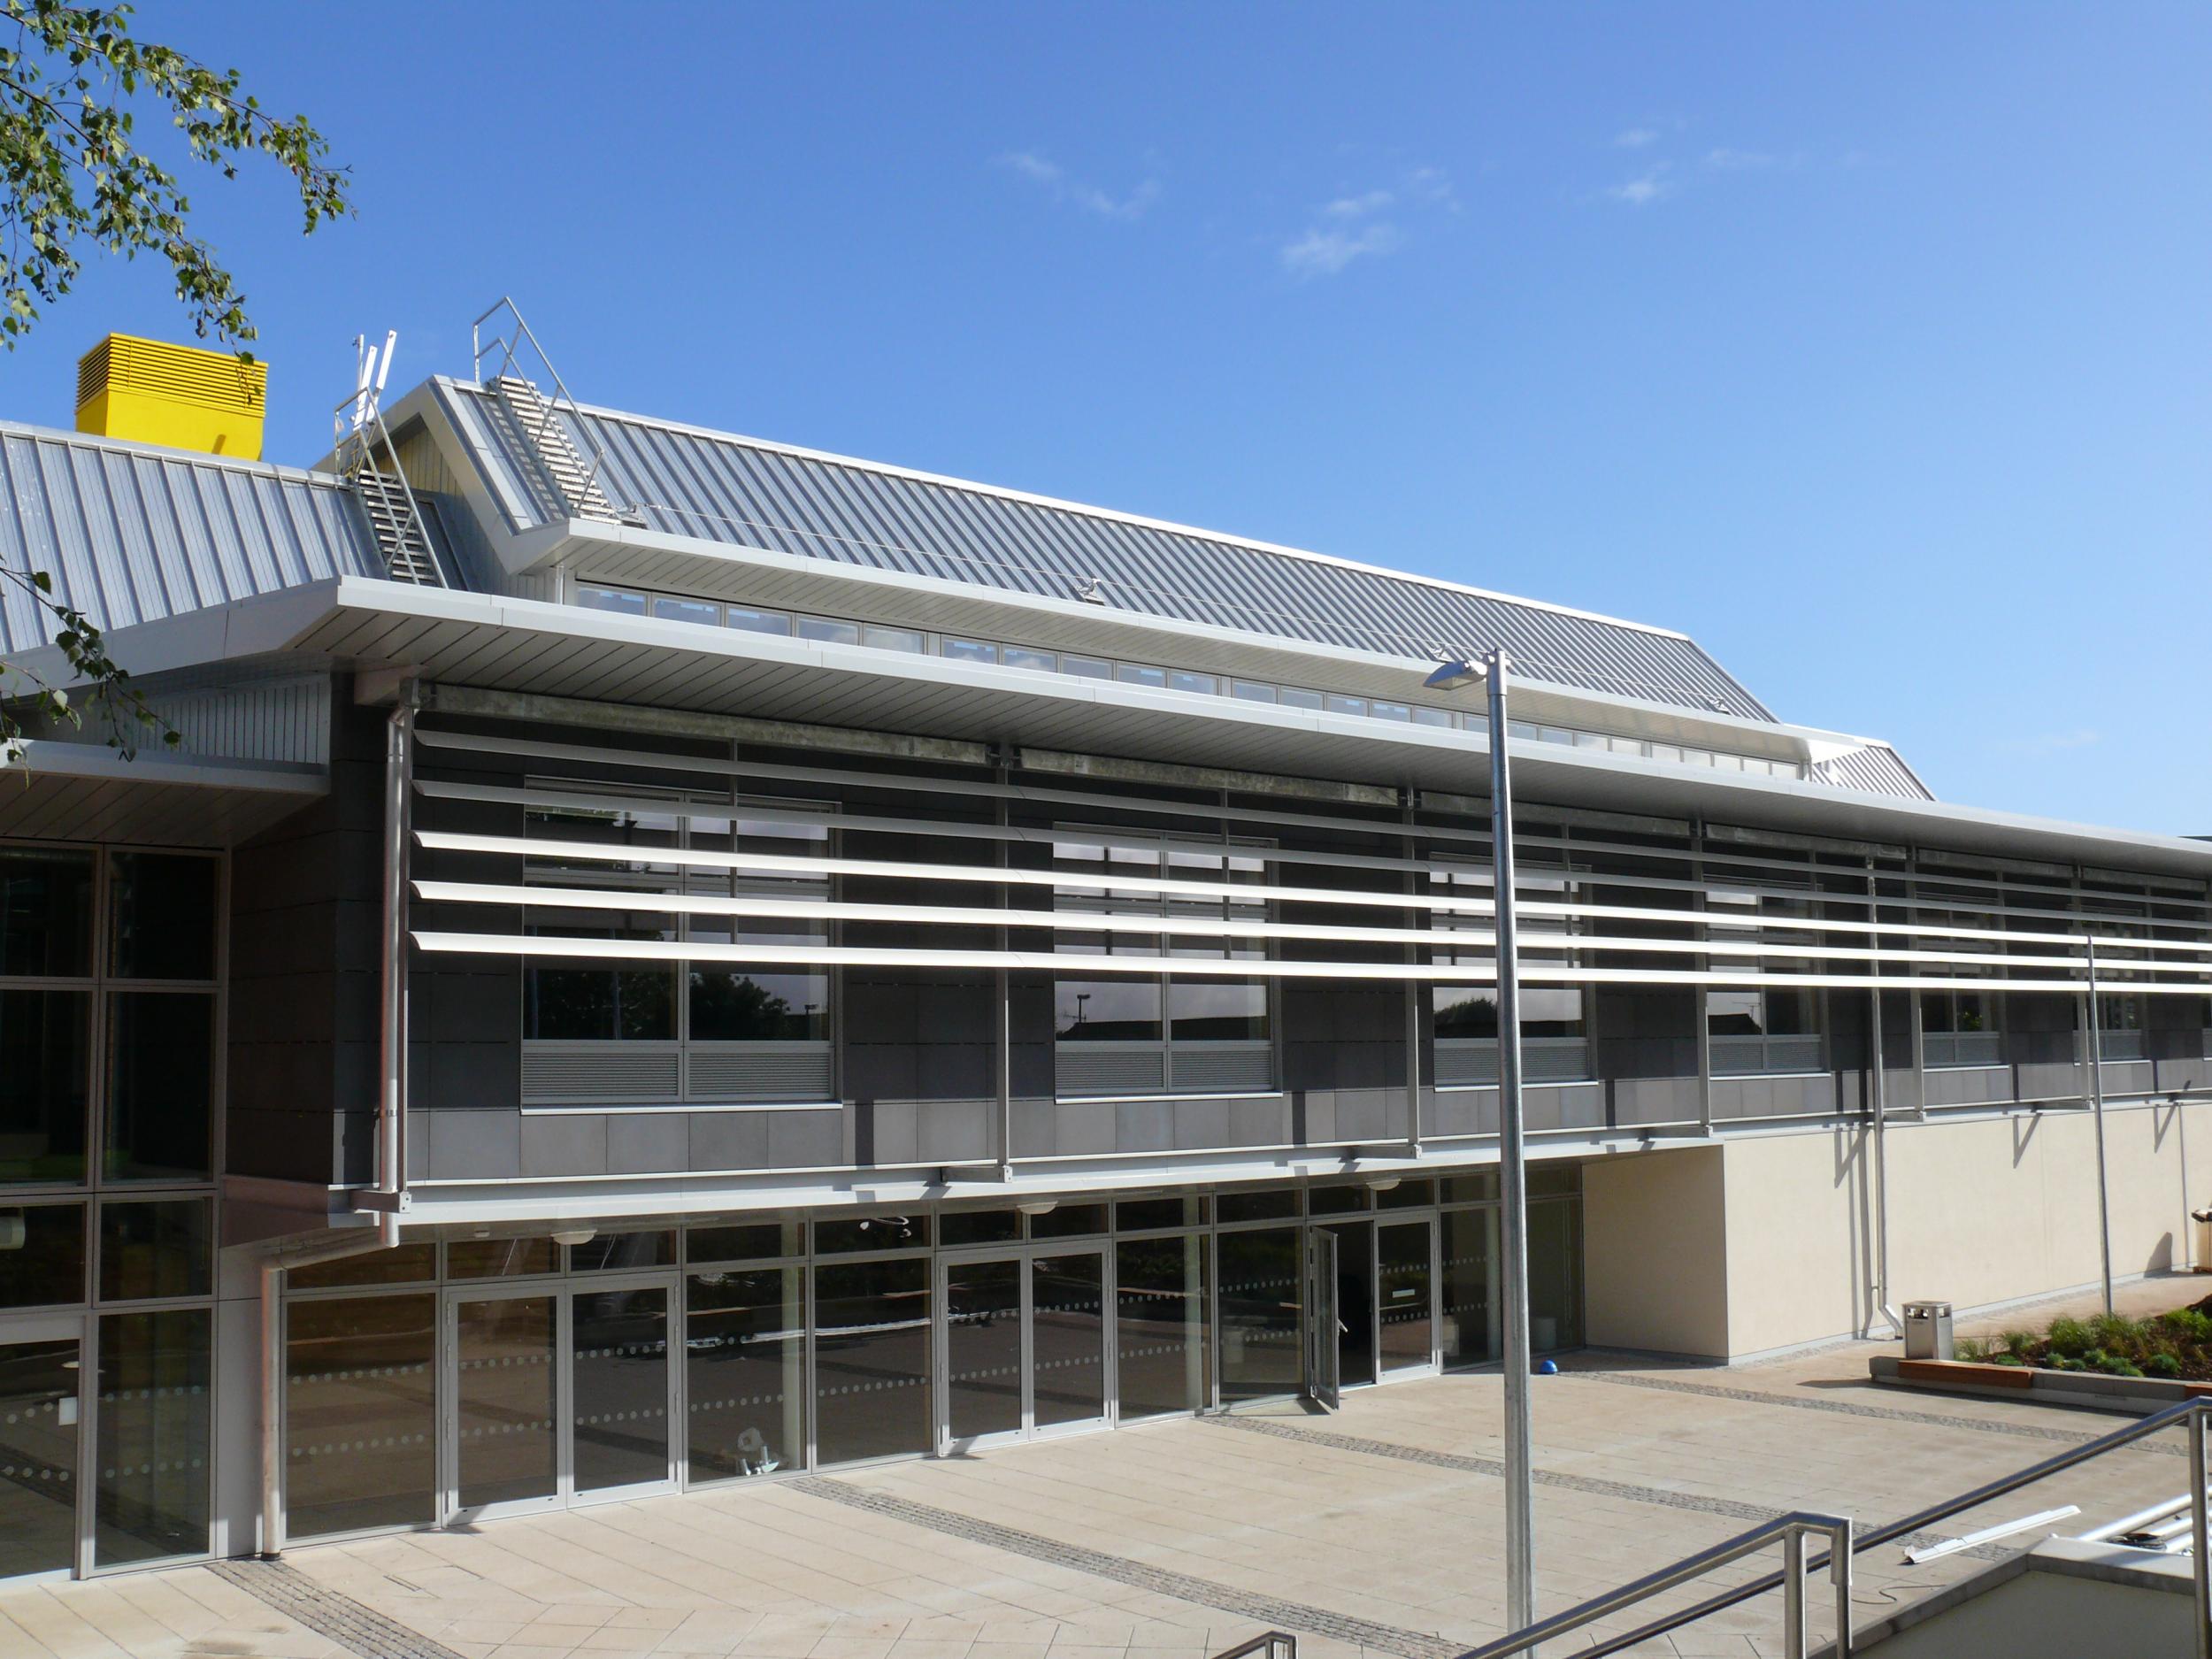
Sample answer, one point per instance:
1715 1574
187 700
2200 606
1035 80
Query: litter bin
2203 1260
1928 1330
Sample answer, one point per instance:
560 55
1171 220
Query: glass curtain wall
110 1035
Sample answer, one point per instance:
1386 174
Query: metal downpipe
2096 1106
391 1152
1878 1073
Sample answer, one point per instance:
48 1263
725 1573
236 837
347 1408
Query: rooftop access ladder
537 420
387 501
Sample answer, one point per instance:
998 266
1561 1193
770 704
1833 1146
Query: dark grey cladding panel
743 492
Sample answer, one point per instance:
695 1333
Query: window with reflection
745 1368
1178 1032
160 1123
872 1363
164 907
712 1028
45 913
45 1083
150 1497
359 1433
1554 1028
1770 1029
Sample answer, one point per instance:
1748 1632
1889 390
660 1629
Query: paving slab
1374 1533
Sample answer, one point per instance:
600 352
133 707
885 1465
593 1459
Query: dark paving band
1291 1616
335 1617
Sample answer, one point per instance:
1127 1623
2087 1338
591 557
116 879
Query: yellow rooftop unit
182 397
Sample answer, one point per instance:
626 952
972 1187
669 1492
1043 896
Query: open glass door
1323 1377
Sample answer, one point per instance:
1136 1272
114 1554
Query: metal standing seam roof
1878 769
131 533
717 487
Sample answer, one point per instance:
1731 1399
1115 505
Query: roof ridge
165 452
1088 510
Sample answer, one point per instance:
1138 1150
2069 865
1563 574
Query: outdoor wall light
572 1236
1037 1206
1382 1183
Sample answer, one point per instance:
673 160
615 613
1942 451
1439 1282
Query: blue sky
1869 344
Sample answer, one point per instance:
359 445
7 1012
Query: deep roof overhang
65 791
524 645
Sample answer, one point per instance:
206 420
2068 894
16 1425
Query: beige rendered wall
1981 1211
1654 1242
1799 1213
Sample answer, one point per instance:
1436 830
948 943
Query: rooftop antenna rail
509 363
357 429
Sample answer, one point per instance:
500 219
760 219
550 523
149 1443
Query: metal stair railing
1790 1531
2193 1414
357 426
1276 1644
505 352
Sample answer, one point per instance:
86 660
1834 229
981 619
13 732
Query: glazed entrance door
1324 1378
1405 1294
622 1388
504 1411
1025 1344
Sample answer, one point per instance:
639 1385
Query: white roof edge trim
1140 520
285 617
165 452
600 533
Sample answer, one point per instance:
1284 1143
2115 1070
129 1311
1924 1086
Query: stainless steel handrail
2192 1413
507 349
1279 1644
354 449
1790 1529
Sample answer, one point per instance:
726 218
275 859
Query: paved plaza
1377 1529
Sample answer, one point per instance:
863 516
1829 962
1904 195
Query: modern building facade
666 958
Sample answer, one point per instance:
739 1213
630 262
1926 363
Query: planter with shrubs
2105 1360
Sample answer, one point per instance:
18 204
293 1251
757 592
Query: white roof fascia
59 758
594 551
276 622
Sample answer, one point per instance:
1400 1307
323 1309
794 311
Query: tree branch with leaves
76 177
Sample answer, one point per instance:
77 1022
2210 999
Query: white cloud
1354 226
1326 252
1636 138
1050 176
1649 186
1359 206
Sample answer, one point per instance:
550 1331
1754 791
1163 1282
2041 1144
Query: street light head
1452 675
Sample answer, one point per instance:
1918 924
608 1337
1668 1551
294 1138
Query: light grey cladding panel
743 492
133 534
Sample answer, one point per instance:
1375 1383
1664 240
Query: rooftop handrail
355 418
1278 1644
2192 1413
1790 1531
508 347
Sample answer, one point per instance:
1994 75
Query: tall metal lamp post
1520 1491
